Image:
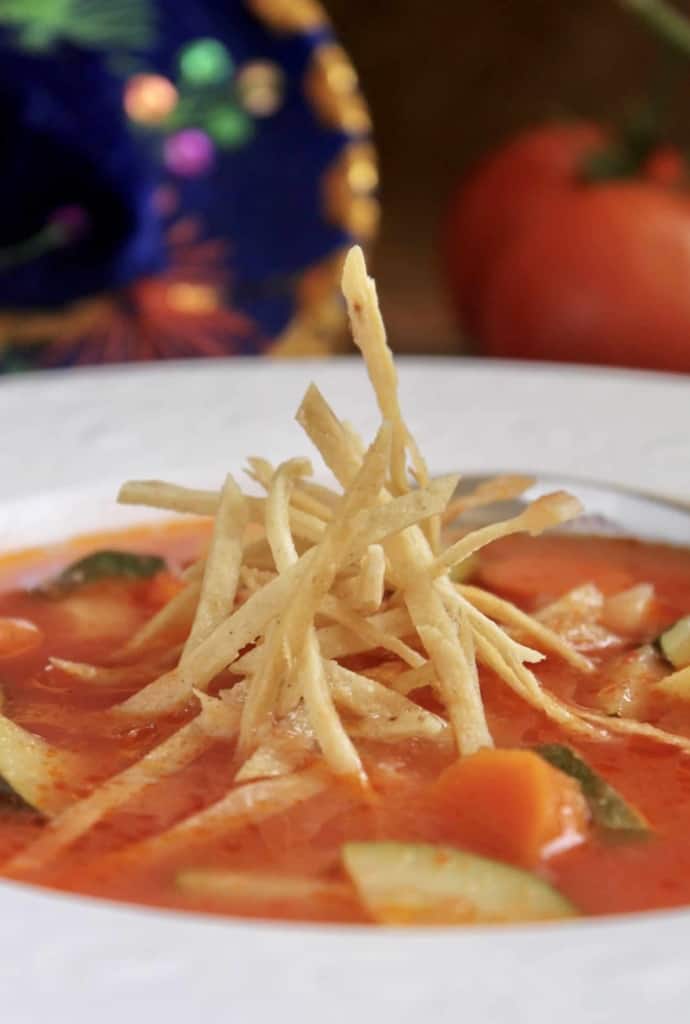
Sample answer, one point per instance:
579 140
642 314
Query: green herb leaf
103 565
607 806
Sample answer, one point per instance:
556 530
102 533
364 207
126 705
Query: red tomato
499 197
601 275
545 265
667 166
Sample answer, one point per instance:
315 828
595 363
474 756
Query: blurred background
517 171
449 80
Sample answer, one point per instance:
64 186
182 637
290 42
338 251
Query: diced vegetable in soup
343 704
605 822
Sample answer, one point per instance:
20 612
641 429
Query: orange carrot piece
510 804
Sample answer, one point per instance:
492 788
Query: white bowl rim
72 956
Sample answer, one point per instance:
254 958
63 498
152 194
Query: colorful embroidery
174 179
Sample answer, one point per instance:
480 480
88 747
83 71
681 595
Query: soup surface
296 853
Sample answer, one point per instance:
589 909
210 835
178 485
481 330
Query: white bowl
68 440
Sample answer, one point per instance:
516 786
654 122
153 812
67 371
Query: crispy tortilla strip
499 488
394 531
250 620
510 615
277 522
257 555
276 663
325 495
466 637
456 677
193 501
415 678
295 635
529 690
219 650
355 438
174 617
525 685
327 433
392 715
629 727
173 497
369 335
341 456
263 472
245 805
338 749
511 649
409 509
276 656
217 719
373 636
119 675
339 642
280 754
549 510
287 746
222 887
222 570
412 557
254 579
371 580
195 571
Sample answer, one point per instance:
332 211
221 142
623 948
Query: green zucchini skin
608 808
674 643
11 800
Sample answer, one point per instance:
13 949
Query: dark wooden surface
446 79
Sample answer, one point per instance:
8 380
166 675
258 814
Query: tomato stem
645 126
669 24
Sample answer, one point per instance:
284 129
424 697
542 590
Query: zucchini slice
674 643
11 800
415 883
35 774
236 886
608 808
103 565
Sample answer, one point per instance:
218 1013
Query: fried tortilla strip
222 569
249 621
193 501
216 720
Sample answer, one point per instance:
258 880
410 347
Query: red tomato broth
600 876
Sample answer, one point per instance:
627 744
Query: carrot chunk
510 804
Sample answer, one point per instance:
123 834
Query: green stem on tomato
646 126
669 24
